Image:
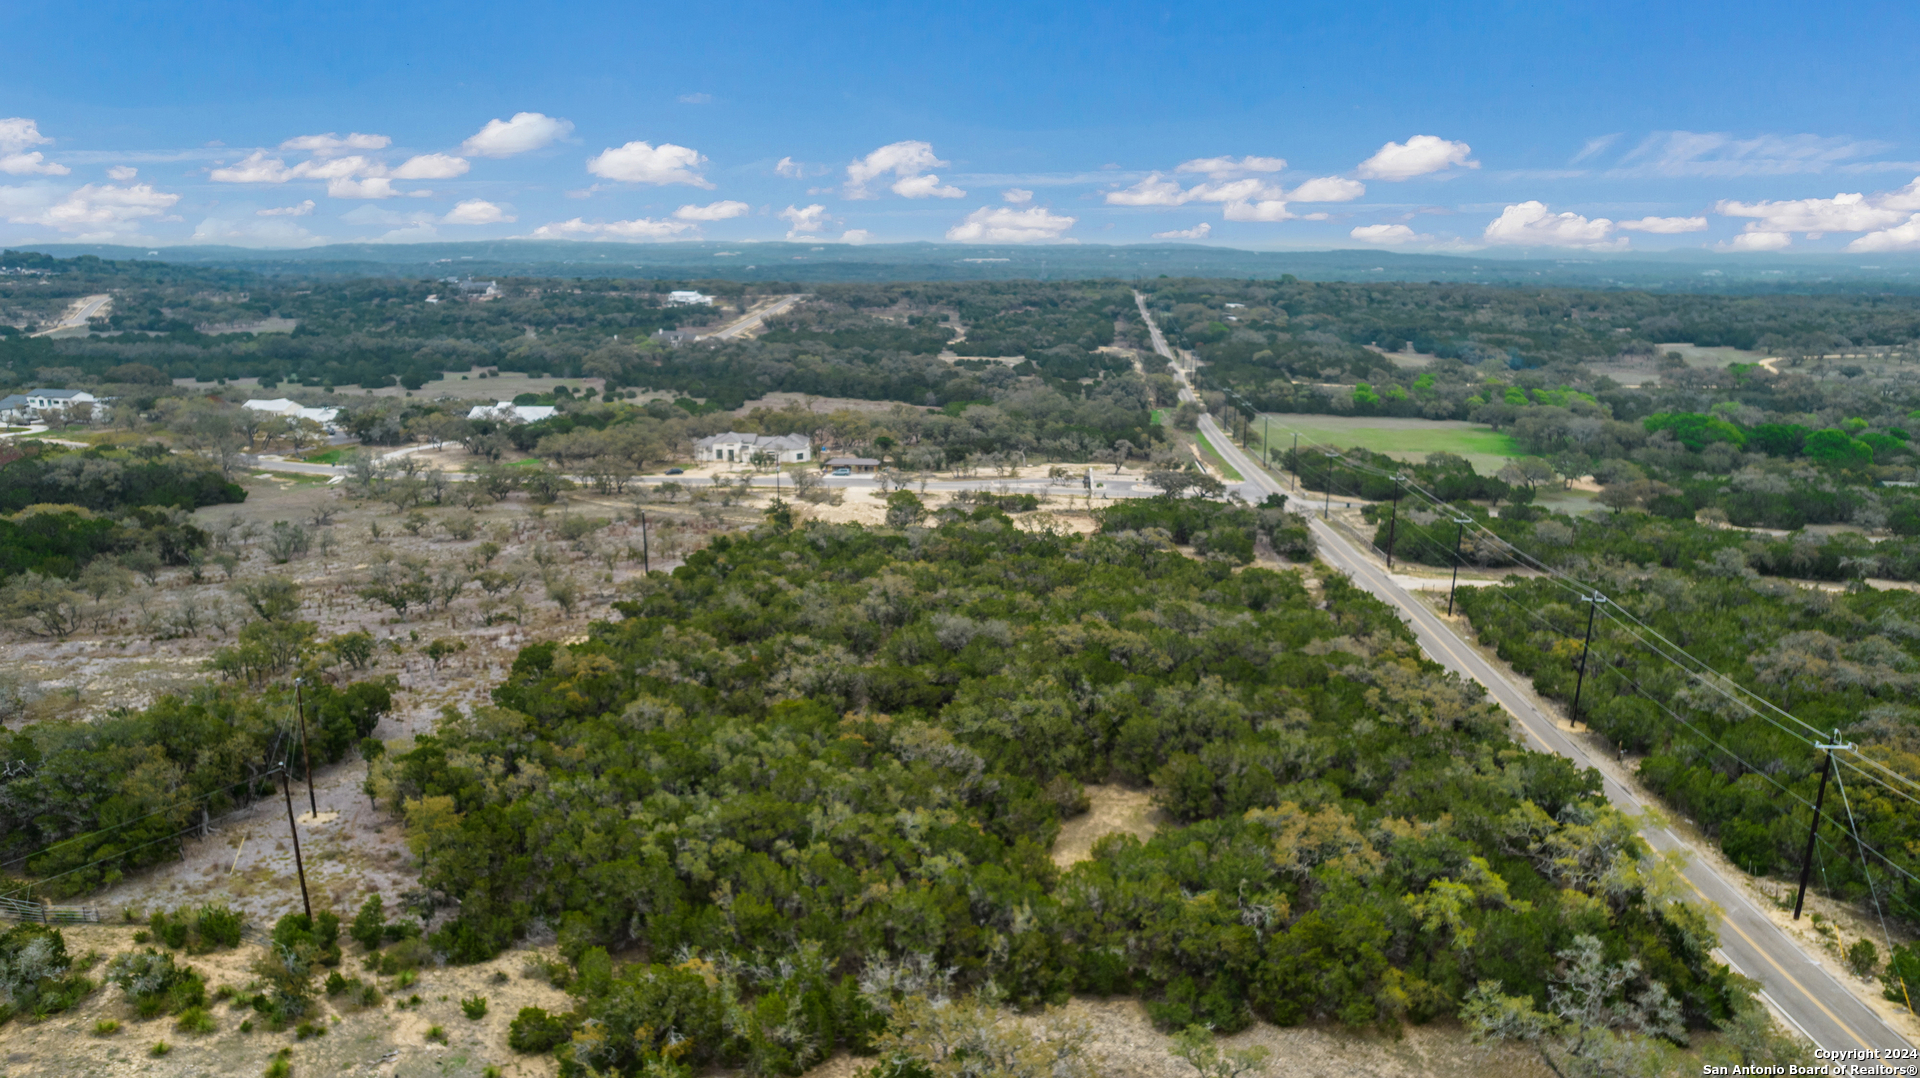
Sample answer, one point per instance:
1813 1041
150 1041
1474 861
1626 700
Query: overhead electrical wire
1633 626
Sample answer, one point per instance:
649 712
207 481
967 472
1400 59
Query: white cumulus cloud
1854 212
855 236
1418 156
371 187
998 224
1264 210
1531 224
103 210
802 222
1327 189
1248 190
122 173
640 228
431 166
643 162
1901 237
1016 196
304 209
1388 235
1197 232
713 211
1664 226
16 134
789 168
31 164
330 144
256 167
526 132
911 164
338 168
1156 190
928 186
1227 168
477 211
1152 191
1756 241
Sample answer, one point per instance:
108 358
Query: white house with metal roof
292 409
741 448
44 405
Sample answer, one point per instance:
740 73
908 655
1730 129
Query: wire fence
48 914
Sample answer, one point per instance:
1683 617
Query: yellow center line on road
1811 998
1725 919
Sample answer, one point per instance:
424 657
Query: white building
681 299
291 409
44 405
509 412
741 448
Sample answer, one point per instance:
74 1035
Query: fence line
48 914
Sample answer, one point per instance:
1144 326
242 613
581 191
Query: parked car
842 471
676 471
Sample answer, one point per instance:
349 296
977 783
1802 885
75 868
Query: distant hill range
805 263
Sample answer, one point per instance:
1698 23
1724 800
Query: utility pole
1813 829
306 754
646 562
1327 506
293 829
1457 539
1393 522
1580 678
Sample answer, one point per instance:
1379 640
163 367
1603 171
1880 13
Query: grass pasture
1402 439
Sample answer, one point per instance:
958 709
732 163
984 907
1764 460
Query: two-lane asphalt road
752 322
83 308
1799 988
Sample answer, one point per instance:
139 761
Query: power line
129 823
1695 668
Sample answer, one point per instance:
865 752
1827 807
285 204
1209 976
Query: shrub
155 984
370 924
321 934
437 1033
106 1027
218 926
1863 958
197 931
36 977
159 1049
405 957
475 1007
534 1030
195 1020
281 1065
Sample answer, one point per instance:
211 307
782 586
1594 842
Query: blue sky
1599 127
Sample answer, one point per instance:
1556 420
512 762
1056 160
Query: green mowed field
1402 439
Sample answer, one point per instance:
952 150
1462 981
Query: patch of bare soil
1124 1044
154 638
1110 809
388 1039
